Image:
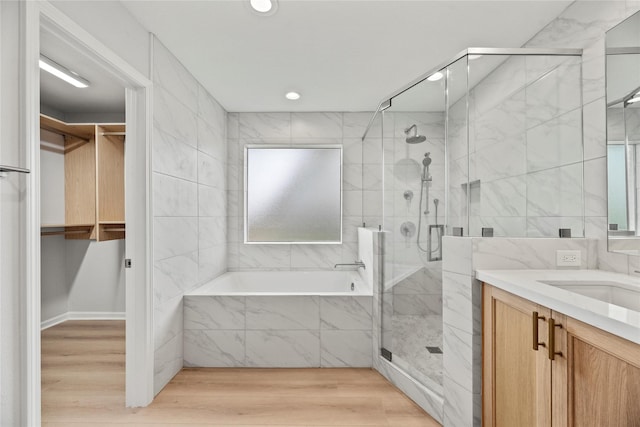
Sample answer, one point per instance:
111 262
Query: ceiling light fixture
292 96
263 6
435 76
62 73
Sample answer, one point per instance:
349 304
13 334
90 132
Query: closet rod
114 133
114 229
4 168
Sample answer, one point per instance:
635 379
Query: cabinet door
516 378
603 378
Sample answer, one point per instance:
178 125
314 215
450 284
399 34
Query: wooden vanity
545 364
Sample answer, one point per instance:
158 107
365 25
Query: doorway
132 292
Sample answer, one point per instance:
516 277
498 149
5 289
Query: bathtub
286 283
283 319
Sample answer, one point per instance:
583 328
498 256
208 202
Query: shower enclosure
488 144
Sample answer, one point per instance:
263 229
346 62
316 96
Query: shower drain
434 350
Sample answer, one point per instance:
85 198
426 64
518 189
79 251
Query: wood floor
83 385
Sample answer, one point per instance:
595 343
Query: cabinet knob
535 318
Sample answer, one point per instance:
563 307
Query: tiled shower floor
411 335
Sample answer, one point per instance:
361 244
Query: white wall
54 285
95 276
12 203
54 297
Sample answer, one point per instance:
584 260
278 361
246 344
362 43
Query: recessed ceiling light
62 72
293 96
263 6
435 76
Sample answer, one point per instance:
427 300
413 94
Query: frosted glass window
293 195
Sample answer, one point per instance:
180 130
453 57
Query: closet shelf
66 230
93 178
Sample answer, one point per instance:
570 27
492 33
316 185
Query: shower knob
408 195
408 229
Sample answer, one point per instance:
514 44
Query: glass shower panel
414 187
554 175
462 192
525 145
366 174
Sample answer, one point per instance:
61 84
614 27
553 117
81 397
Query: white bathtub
265 283
280 319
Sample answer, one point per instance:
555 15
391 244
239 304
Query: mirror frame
630 248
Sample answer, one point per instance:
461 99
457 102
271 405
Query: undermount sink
615 293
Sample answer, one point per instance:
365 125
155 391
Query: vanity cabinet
542 368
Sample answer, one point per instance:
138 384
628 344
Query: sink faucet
355 264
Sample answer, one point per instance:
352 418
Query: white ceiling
104 94
340 55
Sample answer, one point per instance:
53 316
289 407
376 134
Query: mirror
293 194
623 135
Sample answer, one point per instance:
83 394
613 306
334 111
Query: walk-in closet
82 205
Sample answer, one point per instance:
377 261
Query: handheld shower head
425 167
415 138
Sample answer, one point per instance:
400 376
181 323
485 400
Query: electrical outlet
568 258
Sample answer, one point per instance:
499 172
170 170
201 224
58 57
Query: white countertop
612 318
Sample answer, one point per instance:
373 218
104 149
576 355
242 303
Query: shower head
415 138
427 159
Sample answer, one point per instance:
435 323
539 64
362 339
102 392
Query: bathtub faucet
355 264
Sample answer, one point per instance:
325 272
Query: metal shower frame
495 51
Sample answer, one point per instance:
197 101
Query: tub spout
358 264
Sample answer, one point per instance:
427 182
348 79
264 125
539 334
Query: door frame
139 295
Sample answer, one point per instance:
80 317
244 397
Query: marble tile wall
362 184
278 331
420 293
518 115
583 25
189 198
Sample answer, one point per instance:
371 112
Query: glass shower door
414 187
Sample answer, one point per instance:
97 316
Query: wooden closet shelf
66 229
93 178
82 131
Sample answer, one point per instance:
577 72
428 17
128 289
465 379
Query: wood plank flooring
83 385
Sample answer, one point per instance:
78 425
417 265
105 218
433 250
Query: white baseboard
54 321
81 315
